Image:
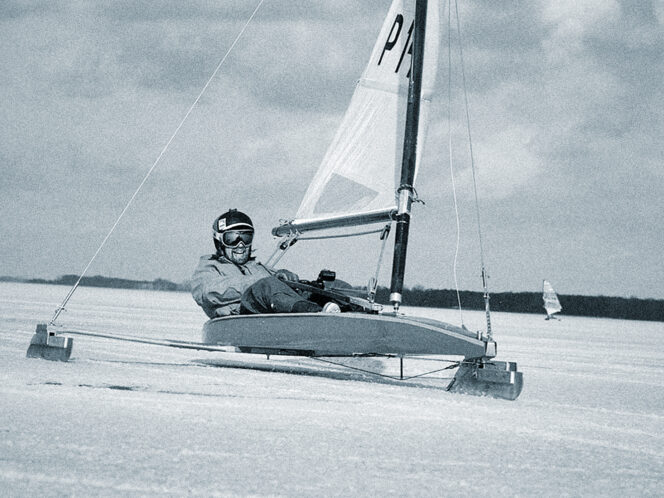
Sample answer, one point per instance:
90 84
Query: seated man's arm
217 291
286 275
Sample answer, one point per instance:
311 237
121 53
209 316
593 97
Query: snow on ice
132 419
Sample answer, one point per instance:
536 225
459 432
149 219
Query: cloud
571 21
15 9
174 46
508 162
170 10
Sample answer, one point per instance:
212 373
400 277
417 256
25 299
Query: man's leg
271 295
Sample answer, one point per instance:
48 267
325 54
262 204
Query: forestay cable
61 308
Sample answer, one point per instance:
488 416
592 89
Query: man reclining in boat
232 282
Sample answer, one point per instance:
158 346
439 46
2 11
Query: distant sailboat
551 303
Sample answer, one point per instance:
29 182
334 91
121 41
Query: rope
449 138
470 139
472 166
378 374
374 284
61 308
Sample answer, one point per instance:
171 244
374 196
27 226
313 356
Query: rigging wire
454 364
449 138
472 166
61 308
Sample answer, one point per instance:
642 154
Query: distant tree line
99 281
516 302
531 302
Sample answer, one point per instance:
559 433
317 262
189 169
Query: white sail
551 303
360 171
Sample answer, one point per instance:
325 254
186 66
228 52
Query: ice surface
131 419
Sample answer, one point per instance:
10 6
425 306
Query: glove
287 276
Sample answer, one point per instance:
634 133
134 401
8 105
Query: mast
406 190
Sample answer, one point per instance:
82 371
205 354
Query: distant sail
551 303
359 173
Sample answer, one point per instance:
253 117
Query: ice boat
367 179
365 184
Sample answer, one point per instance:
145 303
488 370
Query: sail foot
339 221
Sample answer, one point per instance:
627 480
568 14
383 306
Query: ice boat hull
344 334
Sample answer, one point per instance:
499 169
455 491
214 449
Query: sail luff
406 188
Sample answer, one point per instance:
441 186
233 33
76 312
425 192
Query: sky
565 105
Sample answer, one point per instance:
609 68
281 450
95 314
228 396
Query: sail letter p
391 41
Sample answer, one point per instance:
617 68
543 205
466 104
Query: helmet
230 220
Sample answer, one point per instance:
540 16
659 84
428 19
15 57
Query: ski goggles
232 238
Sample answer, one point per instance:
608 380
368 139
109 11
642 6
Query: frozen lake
131 419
